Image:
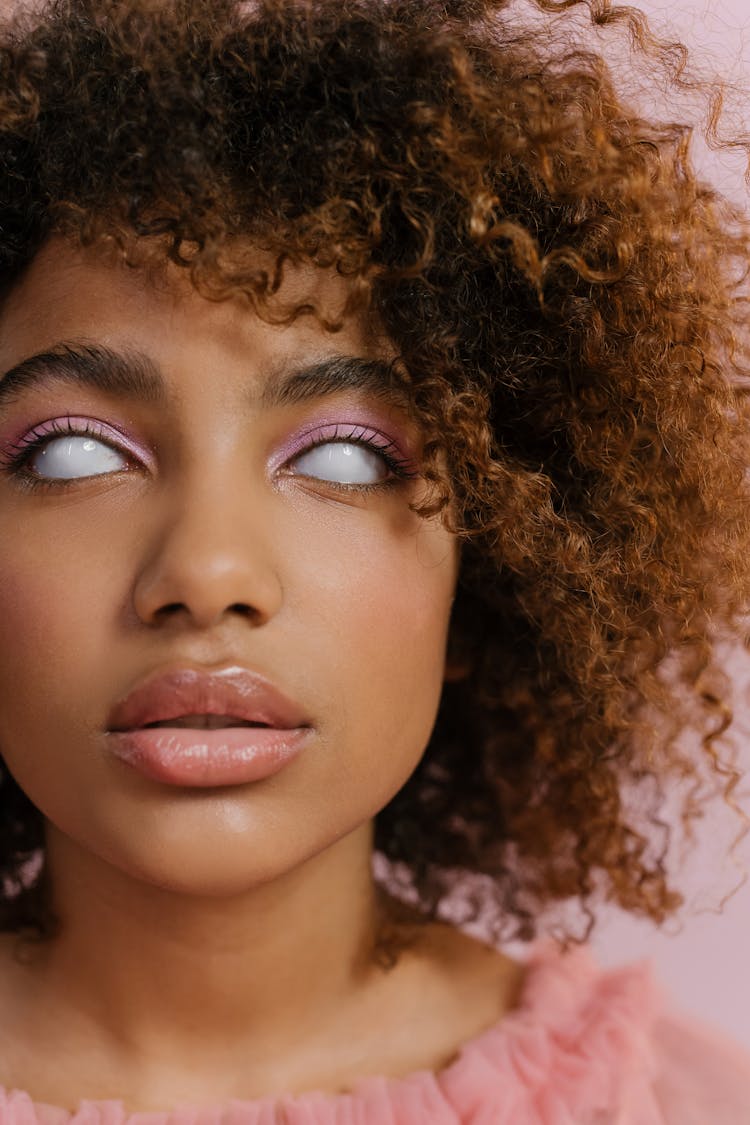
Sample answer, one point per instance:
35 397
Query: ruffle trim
574 1049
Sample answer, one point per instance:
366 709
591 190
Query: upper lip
233 691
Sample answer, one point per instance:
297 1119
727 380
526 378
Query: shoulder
606 1045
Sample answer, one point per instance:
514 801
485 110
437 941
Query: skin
257 899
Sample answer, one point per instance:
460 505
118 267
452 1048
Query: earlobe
455 670
458 664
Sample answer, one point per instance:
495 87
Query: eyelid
18 453
84 426
353 430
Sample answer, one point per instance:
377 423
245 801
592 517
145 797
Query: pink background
706 967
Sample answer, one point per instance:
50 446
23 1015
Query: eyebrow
133 375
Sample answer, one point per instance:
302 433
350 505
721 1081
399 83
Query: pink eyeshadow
13 440
375 428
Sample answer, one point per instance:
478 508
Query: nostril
236 607
171 610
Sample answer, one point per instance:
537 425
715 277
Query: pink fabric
585 1046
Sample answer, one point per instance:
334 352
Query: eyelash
397 465
16 463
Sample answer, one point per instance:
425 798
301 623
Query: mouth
199 699
203 728
200 757
203 722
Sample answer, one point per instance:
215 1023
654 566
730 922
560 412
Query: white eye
342 462
75 456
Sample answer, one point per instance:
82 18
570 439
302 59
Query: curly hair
565 296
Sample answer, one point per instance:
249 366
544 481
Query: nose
211 553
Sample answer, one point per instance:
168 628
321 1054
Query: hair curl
565 298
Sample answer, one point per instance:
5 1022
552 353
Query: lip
196 756
234 691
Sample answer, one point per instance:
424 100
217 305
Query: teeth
205 722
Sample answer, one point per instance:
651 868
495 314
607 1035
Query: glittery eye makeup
294 458
400 464
351 457
17 452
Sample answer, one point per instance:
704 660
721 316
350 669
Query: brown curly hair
565 295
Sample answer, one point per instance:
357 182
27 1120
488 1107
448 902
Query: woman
373 450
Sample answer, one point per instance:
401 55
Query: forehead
86 292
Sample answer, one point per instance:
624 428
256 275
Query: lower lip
187 756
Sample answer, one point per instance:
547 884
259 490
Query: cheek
38 637
52 600
382 607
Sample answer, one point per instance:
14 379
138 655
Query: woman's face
199 531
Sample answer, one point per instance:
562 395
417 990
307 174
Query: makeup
358 425
194 757
201 727
20 437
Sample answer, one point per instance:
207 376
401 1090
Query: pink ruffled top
584 1046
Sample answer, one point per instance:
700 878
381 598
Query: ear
458 666
456 670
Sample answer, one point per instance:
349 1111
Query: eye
343 462
65 458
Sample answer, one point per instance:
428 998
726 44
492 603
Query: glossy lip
192 756
234 691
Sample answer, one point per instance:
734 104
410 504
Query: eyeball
343 463
65 458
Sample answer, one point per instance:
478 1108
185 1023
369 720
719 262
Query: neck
181 978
